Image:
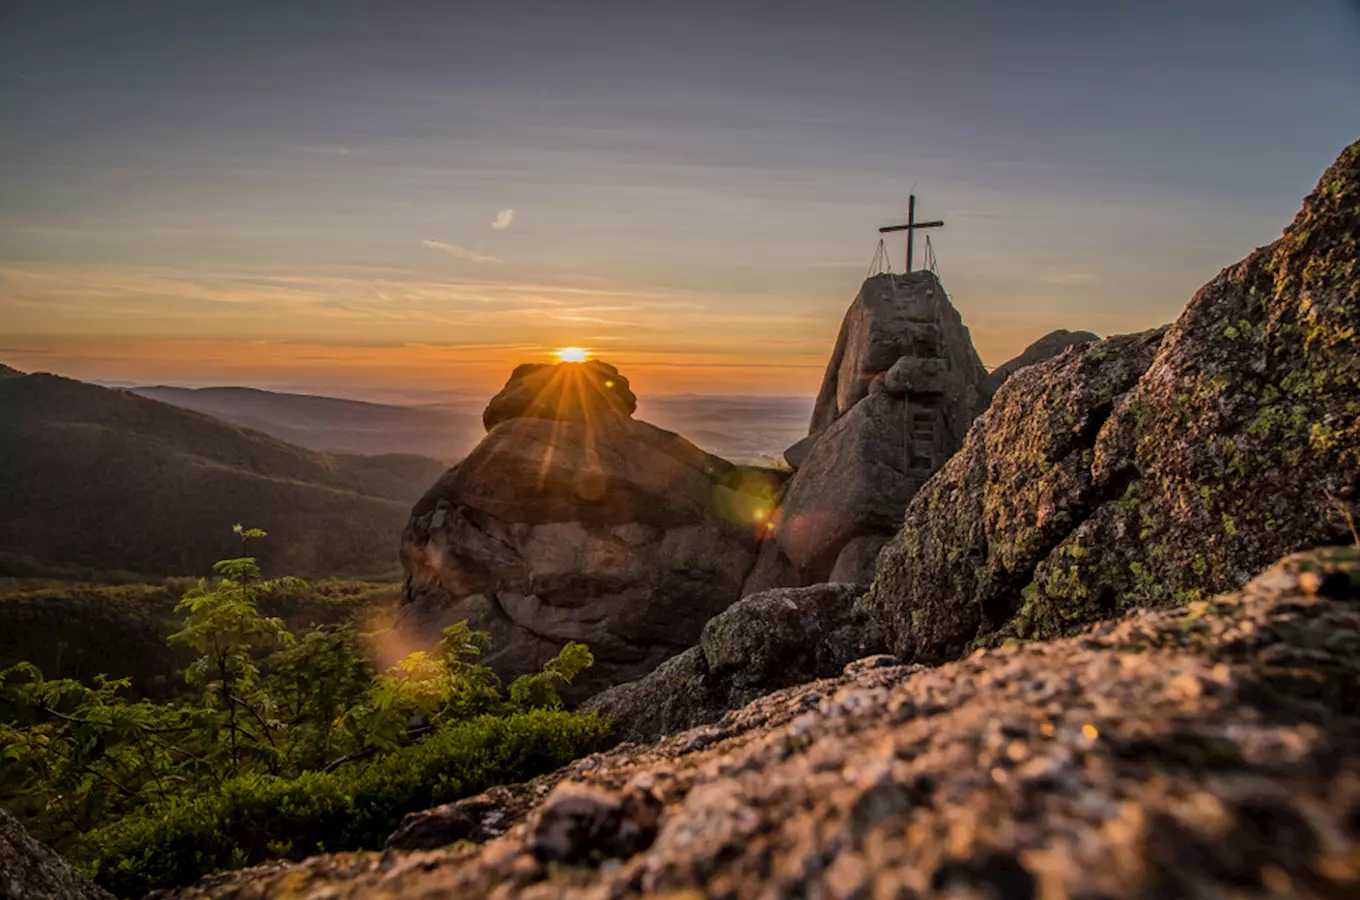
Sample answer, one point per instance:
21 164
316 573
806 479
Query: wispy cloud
459 252
321 149
503 219
1069 279
161 319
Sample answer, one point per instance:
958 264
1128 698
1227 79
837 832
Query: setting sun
572 354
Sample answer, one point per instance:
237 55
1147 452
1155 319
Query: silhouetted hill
333 424
109 480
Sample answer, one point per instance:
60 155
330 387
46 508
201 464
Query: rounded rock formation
583 526
581 391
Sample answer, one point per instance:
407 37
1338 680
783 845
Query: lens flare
572 354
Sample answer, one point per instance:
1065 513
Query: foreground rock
1018 487
1150 471
1212 751
31 871
760 644
478 818
604 530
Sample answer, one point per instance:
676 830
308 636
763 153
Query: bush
293 744
257 817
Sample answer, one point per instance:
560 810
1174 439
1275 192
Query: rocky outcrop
892 317
477 819
1020 484
1092 486
901 388
605 530
759 644
1211 751
30 871
853 484
797 453
1047 347
567 391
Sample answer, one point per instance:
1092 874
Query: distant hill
108 480
336 425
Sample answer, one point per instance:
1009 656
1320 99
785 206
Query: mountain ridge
330 424
112 480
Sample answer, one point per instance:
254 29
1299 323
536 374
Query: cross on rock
910 228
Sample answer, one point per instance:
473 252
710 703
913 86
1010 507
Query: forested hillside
105 480
334 424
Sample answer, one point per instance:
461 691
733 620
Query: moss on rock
1150 470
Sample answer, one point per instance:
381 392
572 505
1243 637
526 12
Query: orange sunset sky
367 199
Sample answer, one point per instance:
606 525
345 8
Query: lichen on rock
974 534
1231 449
1206 751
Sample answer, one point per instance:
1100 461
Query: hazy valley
743 429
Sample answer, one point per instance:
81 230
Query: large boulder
31 871
772 570
1092 486
895 316
573 391
1207 752
1047 347
762 643
901 389
972 536
608 531
854 484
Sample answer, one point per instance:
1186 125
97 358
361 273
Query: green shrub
257 817
283 744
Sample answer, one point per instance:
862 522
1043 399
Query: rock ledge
1210 751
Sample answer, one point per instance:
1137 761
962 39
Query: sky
359 197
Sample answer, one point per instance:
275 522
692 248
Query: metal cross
910 228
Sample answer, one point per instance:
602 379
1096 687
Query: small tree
473 689
225 627
74 756
428 688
